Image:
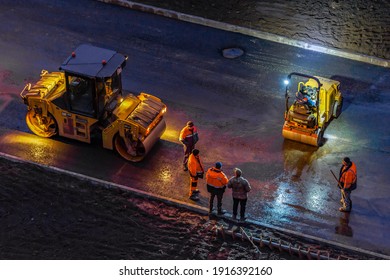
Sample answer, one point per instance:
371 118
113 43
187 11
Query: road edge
191 207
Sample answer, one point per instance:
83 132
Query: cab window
112 85
81 95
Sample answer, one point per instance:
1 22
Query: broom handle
338 183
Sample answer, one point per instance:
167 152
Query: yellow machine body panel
74 126
329 93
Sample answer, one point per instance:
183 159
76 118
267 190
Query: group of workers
217 181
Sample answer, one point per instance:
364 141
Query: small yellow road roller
317 102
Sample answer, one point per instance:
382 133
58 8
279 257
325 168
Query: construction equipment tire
41 126
320 136
121 149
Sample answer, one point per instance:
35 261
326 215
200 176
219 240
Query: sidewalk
357 30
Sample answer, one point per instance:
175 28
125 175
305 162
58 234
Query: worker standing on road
240 188
216 184
188 137
195 168
348 181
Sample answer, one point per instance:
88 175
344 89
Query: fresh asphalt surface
237 104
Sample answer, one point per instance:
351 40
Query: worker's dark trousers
187 151
215 192
242 203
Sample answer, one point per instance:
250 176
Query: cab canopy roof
93 61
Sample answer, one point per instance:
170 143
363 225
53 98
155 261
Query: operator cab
306 96
93 80
304 110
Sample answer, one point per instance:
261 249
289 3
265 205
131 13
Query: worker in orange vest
195 168
216 184
188 137
348 181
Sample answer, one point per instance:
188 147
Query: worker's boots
194 196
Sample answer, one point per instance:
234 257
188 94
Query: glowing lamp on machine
286 82
147 131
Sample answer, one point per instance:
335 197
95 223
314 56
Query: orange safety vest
189 135
216 178
194 165
348 177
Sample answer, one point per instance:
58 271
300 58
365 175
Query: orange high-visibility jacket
348 177
216 178
189 135
194 165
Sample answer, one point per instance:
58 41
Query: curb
250 32
137 192
191 207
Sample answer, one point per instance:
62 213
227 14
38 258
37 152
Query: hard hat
190 123
218 165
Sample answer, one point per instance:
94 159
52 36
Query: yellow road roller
317 102
85 97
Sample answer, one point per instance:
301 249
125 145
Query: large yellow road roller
317 102
86 97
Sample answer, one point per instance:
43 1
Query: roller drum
310 139
153 137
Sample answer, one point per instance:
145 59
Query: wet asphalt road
237 104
